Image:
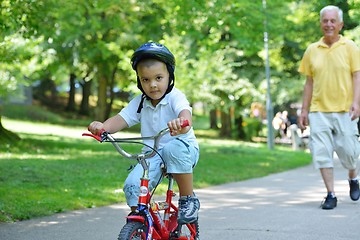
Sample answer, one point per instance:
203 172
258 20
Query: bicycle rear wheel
133 231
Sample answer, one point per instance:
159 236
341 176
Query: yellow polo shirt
331 69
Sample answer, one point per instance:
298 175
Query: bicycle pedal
184 238
180 234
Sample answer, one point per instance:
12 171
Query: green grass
42 175
225 161
36 113
51 170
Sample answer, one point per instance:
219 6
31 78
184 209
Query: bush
252 128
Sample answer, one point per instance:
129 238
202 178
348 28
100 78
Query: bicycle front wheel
133 231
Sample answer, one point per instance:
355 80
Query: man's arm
307 96
354 110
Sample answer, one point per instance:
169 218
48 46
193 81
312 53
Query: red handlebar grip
92 135
185 123
101 132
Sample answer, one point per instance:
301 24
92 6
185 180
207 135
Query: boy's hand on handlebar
96 128
178 126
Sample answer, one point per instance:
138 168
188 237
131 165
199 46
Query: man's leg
352 173
328 178
347 147
354 185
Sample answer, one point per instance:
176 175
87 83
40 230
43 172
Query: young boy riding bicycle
160 105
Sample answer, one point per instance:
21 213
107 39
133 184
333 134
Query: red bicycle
152 220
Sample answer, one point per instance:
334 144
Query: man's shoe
188 209
354 189
330 202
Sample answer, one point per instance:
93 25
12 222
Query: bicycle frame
158 227
148 212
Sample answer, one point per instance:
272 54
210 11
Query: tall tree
218 45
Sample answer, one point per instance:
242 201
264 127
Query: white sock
332 194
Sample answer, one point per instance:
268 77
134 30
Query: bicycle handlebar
105 136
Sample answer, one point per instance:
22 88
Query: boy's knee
175 147
175 151
178 157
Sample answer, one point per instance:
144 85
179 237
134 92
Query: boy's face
154 79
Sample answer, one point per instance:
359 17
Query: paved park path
277 207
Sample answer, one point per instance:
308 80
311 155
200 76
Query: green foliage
219 45
19 62
252 128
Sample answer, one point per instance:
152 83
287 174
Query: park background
65 63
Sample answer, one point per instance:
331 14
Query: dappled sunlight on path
50 129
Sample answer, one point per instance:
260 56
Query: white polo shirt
154 119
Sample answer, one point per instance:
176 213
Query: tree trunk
240 128
213 119
7 136
225 130
112 94
86 91
71 100
102 99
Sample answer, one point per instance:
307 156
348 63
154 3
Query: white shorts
333 132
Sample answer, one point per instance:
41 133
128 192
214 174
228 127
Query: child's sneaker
188 209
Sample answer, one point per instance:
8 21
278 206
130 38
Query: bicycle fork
144 195
151 216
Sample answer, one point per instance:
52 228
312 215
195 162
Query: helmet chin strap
144 96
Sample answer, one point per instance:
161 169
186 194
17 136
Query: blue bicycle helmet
152 50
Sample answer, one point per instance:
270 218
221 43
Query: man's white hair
332 8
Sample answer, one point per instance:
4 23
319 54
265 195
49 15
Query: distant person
159 106
277 122
284 124
293 119
331 102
